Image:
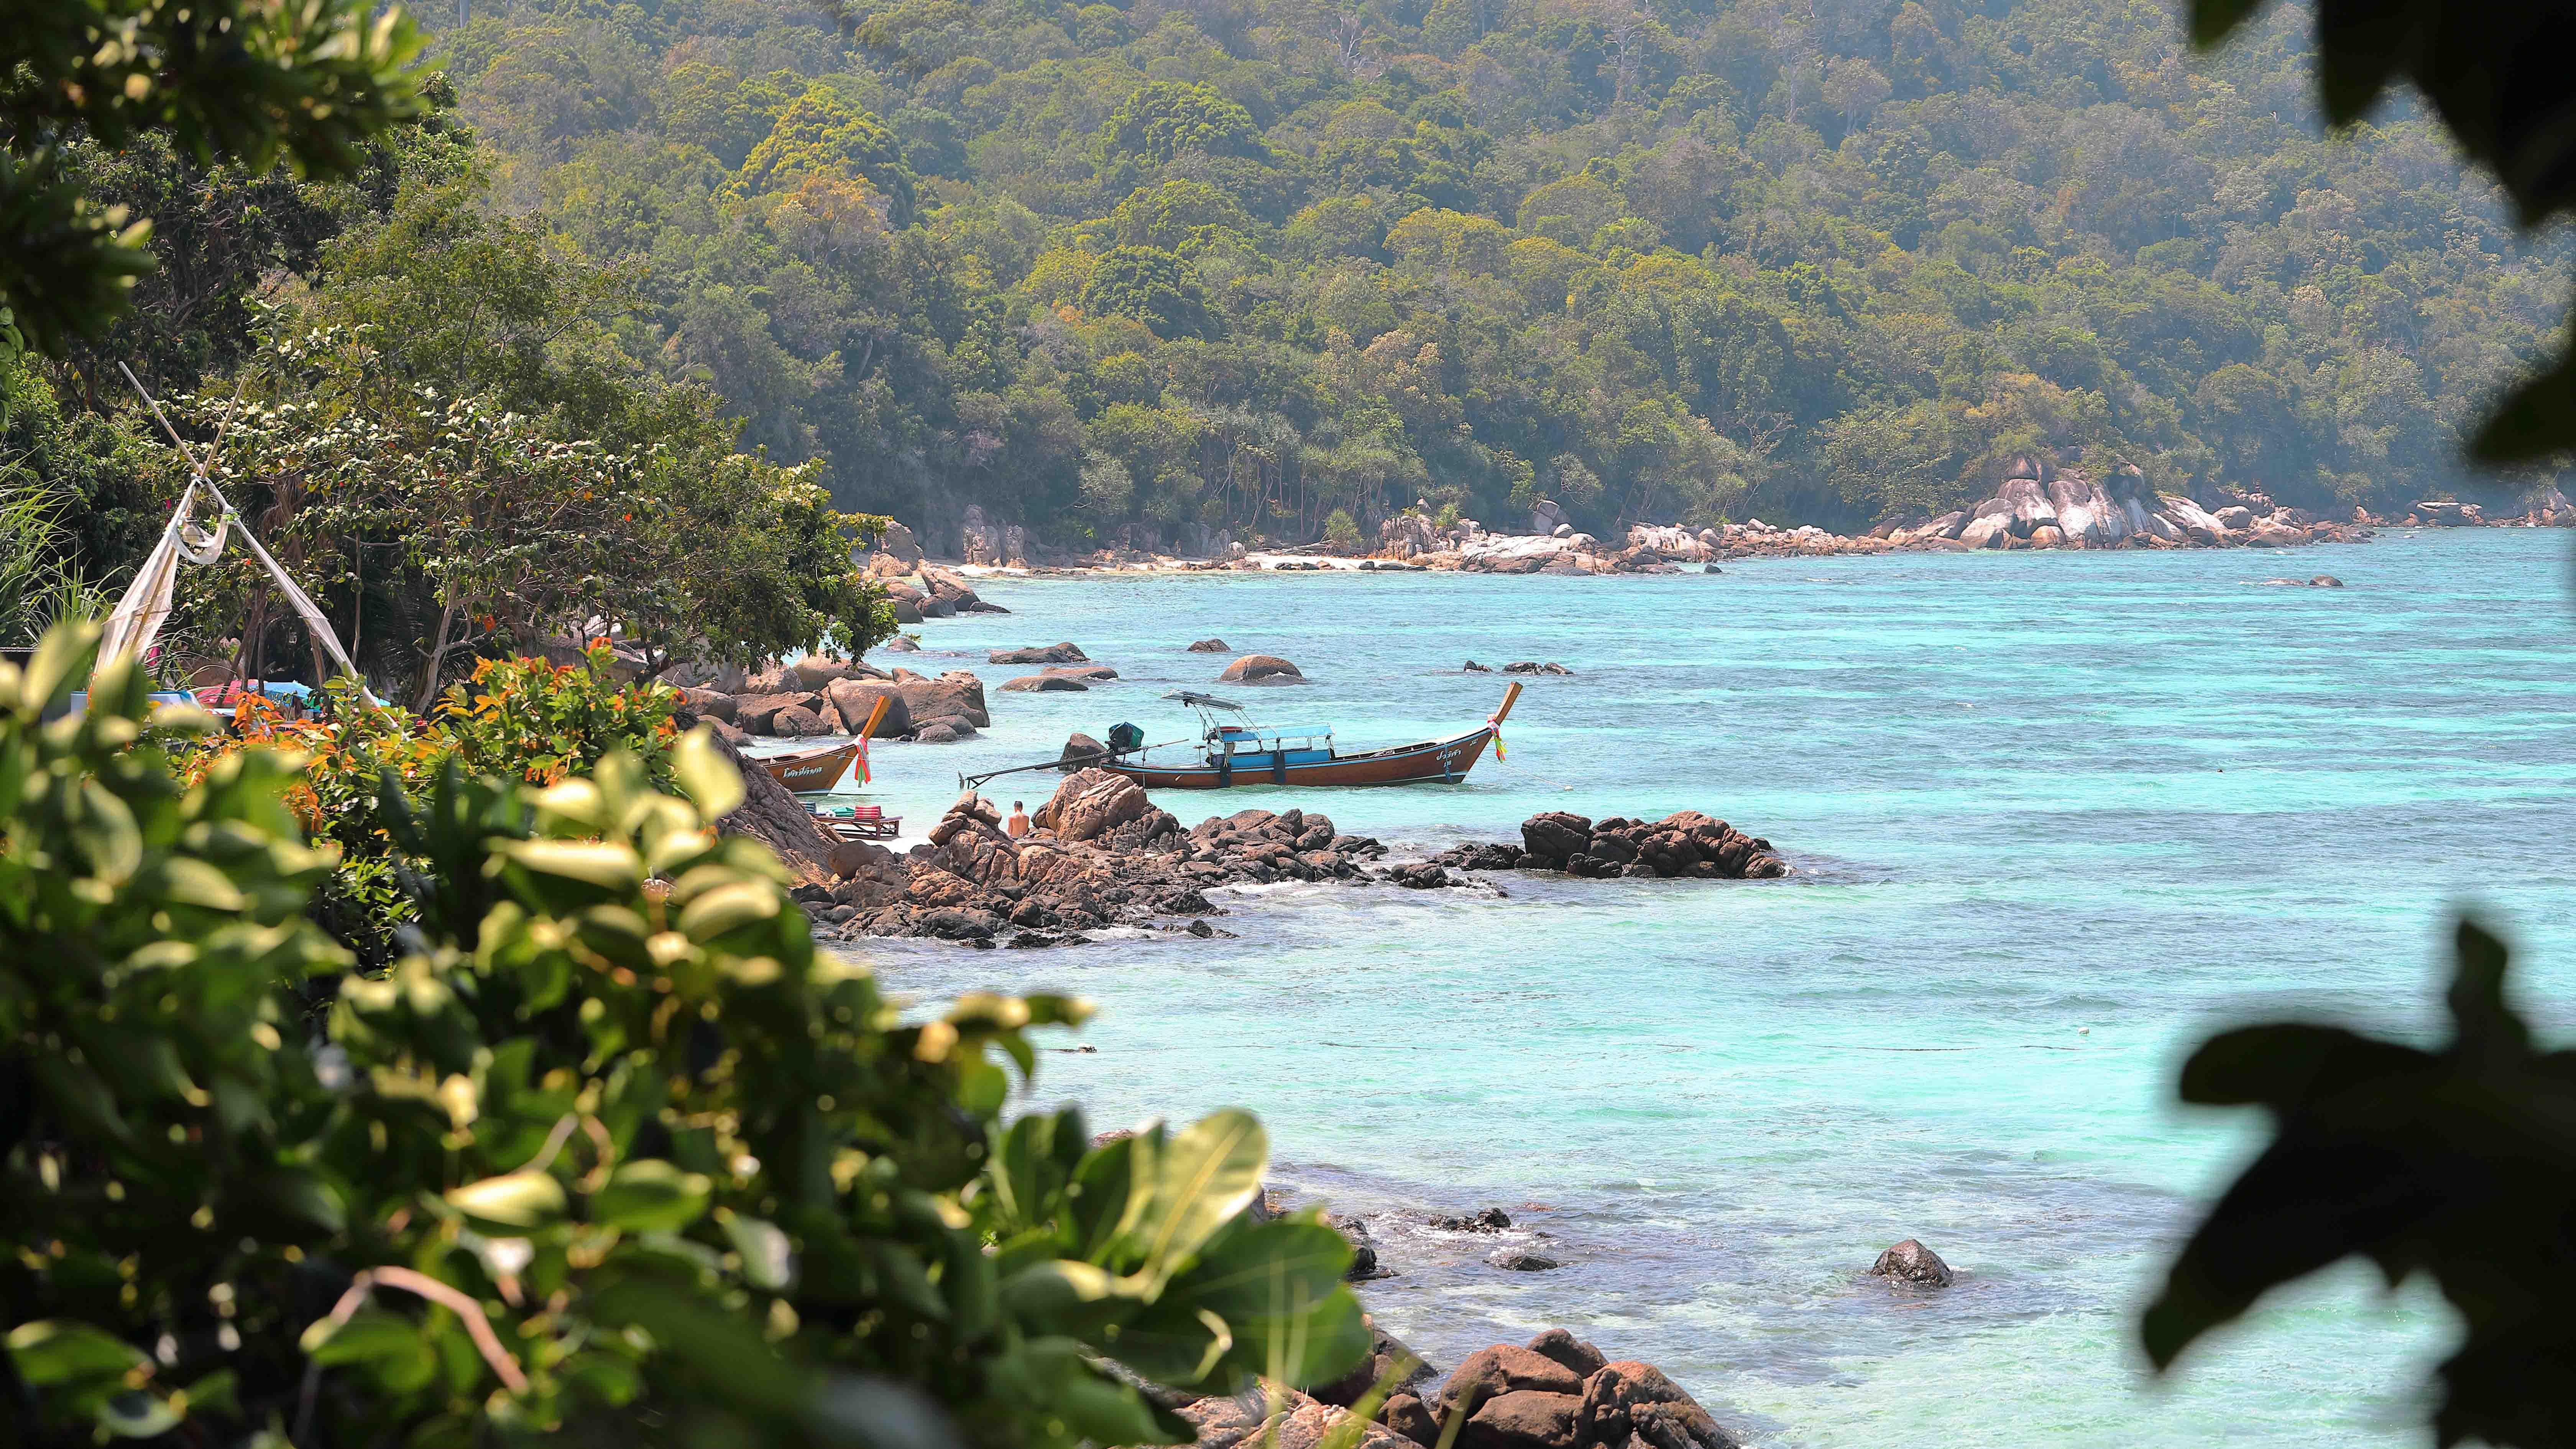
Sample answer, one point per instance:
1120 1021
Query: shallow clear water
2055 817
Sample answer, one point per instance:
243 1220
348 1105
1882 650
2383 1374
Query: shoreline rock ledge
1685 844
1102 854
1556 1392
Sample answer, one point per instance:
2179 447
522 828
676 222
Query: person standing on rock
1018 824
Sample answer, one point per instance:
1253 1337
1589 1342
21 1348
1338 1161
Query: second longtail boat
1232 750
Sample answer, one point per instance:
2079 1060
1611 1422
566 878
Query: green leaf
600 866
137 1414
768 1260
59 1353
511 1205
703 774
1061 1286
302 1196
649 1195
1175 1344
727 908
1204 1175
720 1344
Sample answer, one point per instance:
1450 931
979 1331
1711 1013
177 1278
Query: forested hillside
1136 272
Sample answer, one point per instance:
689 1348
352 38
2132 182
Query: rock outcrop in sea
1555 1392
1102 854
1685 843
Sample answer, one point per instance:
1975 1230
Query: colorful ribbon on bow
1494 725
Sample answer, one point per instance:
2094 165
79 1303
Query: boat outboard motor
1125 738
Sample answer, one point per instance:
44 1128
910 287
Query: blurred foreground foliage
610 1148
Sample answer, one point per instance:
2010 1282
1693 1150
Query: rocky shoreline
1555 1391
1102 855
2038 507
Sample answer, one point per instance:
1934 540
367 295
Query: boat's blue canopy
1272 732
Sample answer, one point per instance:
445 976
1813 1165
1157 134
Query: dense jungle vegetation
1243 262
1133 273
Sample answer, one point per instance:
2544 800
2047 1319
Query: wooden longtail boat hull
812 771
1447 760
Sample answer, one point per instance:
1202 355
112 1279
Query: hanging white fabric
145 608
140 614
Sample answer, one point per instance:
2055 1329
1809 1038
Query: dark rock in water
1211 646
943 732
1911 1262
1089 673
1472 667
1261 669
1521 1260
1685 843
1484 855
1483 1220
1365 1266
2325 581
1079 750
1532 666
1043 684
1554 836
901 644
1421 875
1065 653
1568 1350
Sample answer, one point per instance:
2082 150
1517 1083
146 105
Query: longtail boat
810 772
1236 751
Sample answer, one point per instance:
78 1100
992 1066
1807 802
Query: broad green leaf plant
610 1149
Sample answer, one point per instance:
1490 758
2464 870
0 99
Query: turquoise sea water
2054 817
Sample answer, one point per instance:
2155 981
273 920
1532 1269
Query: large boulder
899 544
709 703
1911 1262
1210 646
956 695
1261 669
1065 653
1043 684
1087 673
2198 524
814 671
1091 802
1987 531
755 712
853 699
799 723
1525 1419
1627 1398
1505 1368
